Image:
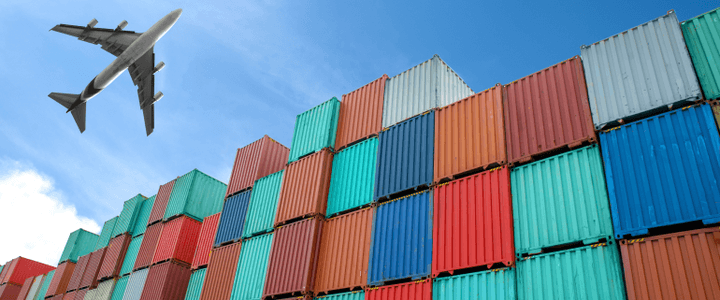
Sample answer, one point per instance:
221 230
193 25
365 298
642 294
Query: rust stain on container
220 274
148 246
59 282
417 290
114 256
178 240
90 278
205 241
684 265
166 281
305 187
470 135
361 113
547 111
161 201
257 160
78 273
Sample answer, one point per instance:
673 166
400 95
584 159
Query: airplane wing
142 73
114 41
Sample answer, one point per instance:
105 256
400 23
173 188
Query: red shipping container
25 288
257 160
293 259
220 274
472 222
417 290
58 284
9 291
90 278
69 295
78 273
148 246
305 187
80 294
56 297
21 268
166 281
161 201
205 241
178 240
114 256
361 113
546 111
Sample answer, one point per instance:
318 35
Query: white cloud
35 222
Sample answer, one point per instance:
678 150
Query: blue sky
237 70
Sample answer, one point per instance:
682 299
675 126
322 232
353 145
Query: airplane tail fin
77 110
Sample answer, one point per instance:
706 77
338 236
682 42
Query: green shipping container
560 200
130 255
45 285
702 37
352 180
491 285
260 217
106 233
143 216
315 129
128 216
79 243
356 295
195 286
195 195
252 268
587 272
119 290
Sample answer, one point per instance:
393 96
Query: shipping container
195 195
82 295
232 219
293 259
315 129
344 252
472 222
703 43
60 279
560 200
683 265
638 72
45 287
90 278
114 256
354 295
547 112
205 242
220 273
71 296
128 216
426 86
496 284
25 288
56 297
160 204
195 285
169 280
148 245
78 272
416 290
263 205
252 268
402 239
716 111
9 291
470 135
177 241
33 293
663 170
130 255
361 113
135 285
143 216
589 272
106 233
21 268
79 243
104 290
119 289
257 160
305 188
405 156
352 179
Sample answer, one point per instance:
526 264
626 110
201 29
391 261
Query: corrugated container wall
402 239
470 135
663 170
547 111
423 87
21 268
9 291
232 219
417 290
293 258
106 233
178 240
315 129
361 113
195 285
353 177
356 295
119 289
257 160
147 247
169 281
25 289
161 202
128 216
472 222
78 272
135 285
130 255
220 273
405 156
560 200
195 195
684 265
205 242
252 268
263 205
81 294
60 279
104 290
489 285
46 285
344 252
79 243
581 273
114 256
703 43
639 70
33 293
305 187
143 215
90 278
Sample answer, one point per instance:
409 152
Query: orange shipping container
58 284
220 274
257 160
305 187
361 113
470 135
416 290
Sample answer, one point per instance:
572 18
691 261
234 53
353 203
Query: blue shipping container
232 219
405 156
663 170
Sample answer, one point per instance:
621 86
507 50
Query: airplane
134 51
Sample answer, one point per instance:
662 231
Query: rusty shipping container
168 281
9 291
90 278
257 160
305 187
293 259
361 113
148 246
20 268
161 201
178 240
78 272
344 252
58 284
220 274
683 265
416 290
470 135
114 256
472 222
547 111
205 241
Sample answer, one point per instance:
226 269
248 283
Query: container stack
18 275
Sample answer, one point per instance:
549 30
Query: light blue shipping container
79 243
143 216
128 216
130 255
356 295
497 284
45 285
195 285
252 268
195 195
315 129
135 285
119 290
352 179
260 217
106 233
232 219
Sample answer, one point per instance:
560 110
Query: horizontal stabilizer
79 116
73 104
66 100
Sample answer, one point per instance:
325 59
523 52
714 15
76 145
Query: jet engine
158 67
92 23
121 25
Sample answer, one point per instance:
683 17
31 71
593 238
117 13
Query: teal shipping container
79 243
195 286
128 216
589 272
130 255
488 285
352 180
315 129
143 216
106 233
702 37
195 195
356 295
260 216
252 268
45 285
119 290
560 200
